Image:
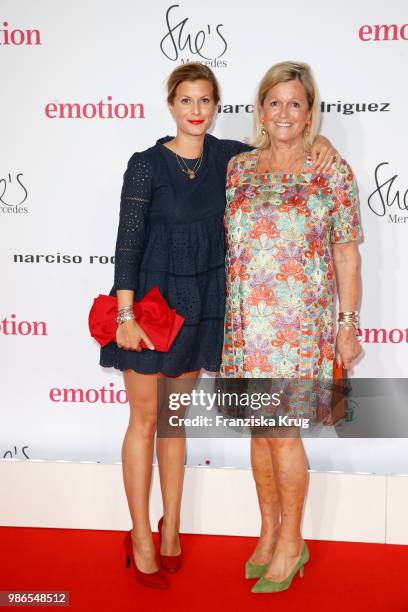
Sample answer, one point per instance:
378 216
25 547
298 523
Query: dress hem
172 374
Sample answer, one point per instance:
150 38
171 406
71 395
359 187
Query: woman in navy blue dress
171 234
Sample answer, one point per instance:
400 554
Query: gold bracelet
349 319
125 314
347 325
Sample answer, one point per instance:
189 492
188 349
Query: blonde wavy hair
280 73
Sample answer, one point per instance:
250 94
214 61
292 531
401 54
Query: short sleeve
346 225
134 204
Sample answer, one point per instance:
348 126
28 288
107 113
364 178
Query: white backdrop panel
69 173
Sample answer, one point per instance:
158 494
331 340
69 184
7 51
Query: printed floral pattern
280 274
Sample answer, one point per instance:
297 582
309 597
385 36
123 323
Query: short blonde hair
280 73
191 71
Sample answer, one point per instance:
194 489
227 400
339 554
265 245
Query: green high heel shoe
252 570
270 586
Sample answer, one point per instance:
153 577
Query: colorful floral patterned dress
280 275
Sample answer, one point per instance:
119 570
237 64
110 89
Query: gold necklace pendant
191 172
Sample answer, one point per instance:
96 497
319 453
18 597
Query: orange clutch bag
339 392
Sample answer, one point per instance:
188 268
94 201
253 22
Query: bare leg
291 477
268 499
171 458
137 459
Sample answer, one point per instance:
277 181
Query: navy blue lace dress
171 234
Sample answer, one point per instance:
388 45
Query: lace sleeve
134 202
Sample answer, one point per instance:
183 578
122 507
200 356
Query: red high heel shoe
156 580
170 563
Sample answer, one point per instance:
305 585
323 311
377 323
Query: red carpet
90 565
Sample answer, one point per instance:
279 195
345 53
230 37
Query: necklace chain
191 172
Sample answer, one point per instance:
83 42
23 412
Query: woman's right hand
129 335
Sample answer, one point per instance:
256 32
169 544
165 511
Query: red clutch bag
160 322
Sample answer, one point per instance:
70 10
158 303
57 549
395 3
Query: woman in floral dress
291 237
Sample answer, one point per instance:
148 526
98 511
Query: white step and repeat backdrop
82 89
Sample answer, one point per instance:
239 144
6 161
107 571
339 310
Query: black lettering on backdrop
176 39
9 454
4 184
383 196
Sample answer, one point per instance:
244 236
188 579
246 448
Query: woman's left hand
348 347
323 154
